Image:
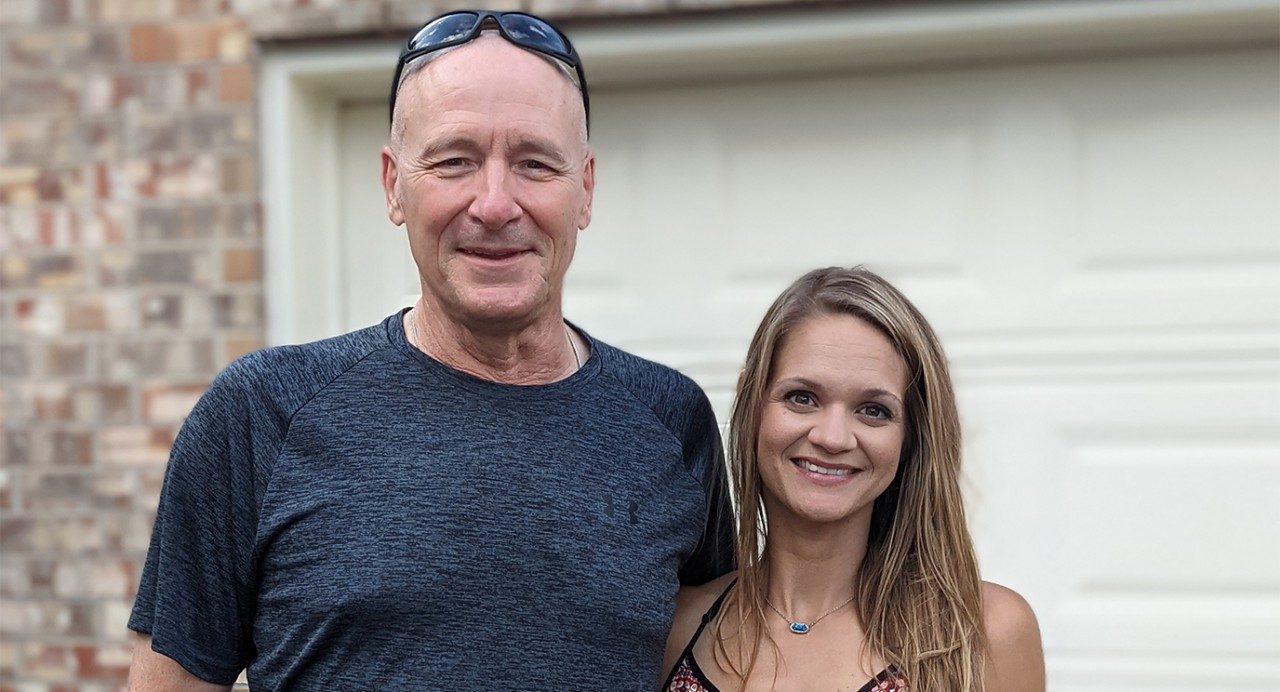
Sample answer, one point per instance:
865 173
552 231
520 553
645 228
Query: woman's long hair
918 593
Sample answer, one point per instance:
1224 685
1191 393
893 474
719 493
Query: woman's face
833 420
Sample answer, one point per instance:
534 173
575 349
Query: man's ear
589 186
390 174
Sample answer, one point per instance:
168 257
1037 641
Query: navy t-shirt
352 512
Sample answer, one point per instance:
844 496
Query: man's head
488 168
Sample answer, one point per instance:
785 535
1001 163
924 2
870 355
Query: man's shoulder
299 369
648 380
672 396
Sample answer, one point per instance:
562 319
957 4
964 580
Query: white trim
303 88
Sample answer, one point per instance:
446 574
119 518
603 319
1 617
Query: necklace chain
413 328
800 627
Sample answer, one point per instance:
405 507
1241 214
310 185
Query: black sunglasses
524 30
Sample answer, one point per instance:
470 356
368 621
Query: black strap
688 648
710 615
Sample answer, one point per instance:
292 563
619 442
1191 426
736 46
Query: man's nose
495 205
833 431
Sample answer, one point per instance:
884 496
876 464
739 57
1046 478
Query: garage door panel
1150 535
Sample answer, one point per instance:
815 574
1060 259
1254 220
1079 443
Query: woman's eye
800 398
877 411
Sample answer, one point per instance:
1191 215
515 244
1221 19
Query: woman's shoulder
691 603
1016 658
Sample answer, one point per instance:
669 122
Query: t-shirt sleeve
704 455
196 597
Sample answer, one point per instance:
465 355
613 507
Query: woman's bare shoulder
691 603
1016 658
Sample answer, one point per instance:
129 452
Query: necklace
797 627
413 331
576 359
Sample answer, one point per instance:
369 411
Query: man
473 494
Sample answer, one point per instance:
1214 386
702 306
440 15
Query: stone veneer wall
130 273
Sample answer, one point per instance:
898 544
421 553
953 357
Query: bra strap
710 615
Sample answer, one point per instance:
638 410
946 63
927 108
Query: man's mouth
825 470
491 253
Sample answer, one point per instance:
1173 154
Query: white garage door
1097 241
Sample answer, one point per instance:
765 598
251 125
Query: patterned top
688 677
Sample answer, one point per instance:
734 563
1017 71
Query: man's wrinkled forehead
488 63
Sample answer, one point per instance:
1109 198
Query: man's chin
505 307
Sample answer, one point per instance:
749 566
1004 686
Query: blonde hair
918 593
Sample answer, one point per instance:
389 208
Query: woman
857 571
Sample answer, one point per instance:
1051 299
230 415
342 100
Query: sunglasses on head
524 30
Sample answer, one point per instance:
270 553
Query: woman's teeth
822 469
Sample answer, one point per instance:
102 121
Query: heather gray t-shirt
351 512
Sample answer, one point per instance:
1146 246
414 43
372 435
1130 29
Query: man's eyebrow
540 146
435 148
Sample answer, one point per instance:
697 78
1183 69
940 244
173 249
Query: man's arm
155 672
704 452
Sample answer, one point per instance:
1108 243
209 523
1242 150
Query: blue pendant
799 628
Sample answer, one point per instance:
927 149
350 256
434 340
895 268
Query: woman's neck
813 568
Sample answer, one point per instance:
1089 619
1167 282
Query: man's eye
801 398
536 166
453 163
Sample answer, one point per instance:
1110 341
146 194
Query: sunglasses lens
448 28
535 33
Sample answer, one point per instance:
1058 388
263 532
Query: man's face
492 177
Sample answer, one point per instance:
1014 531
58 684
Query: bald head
488 72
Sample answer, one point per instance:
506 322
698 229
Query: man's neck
540 352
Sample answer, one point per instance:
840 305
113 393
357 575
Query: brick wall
130 271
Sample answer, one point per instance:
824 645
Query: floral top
688 677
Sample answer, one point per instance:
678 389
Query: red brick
110 403
239 175
154 134
128 533
17 447
237 346
16 534
86 314
169 403
152 43
134 446
238 310
71 448
18 184
159 357
48 662
179 42
105 661
8 665
15 361
51 402
6 488
198 87
57 95
72 48
57 491
241 264
235 84
66 360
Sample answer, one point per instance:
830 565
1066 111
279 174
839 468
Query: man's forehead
491 58
486 70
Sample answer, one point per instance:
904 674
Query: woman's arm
1016 659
